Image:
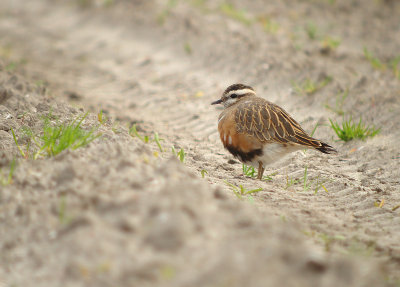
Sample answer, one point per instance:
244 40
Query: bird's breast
241 145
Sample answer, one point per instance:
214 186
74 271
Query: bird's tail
325 148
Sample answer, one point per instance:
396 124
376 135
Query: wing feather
269 123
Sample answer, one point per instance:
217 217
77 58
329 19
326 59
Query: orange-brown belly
241 145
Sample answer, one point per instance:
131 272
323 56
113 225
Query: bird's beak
217 102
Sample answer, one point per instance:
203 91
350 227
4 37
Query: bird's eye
234 96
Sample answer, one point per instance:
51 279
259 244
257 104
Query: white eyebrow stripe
241 92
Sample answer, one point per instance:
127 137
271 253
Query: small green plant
40 83
188 48
290 182
14 65
307 184
157 141
62 211
311 30
395 65
340 98
239 15
23 154
320 183
268 25
102 118
58 137
180 154
203 173
314 129
357 246
200 4
162 17
250 171
329 239
11 66
108 3
309 87
330 43
375 62
116 128
7 179
133 132
325 238
379 203
145 138
240 191
350 130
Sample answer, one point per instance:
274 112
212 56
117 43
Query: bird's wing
270 123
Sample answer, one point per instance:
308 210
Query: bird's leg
260 170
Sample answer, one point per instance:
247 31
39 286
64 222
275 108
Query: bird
259 132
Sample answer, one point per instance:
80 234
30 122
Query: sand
120 212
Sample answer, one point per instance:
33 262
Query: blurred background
120 212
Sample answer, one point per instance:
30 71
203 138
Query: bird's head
233 94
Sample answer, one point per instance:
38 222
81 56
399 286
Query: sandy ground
119 212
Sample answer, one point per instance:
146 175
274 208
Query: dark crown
236 87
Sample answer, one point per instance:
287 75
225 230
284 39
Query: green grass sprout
59 137
379 203
231 11
330 43
133 132
350 130
374 61
311 30
250 171
23 154
314 129
62 210
157 141
308 183
240 191
116 128
188 48
14 65
56 137
268 25
180 154
395 65
145 138
290 182
162 17
6 180
101 117
203 173
320 183
309 87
